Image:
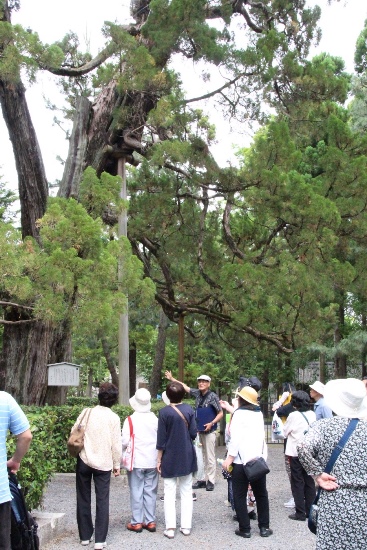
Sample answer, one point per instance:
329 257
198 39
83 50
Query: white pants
185 484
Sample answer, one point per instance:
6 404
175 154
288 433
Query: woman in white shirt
302 485
143 479
248 442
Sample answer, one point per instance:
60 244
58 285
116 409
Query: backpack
23 526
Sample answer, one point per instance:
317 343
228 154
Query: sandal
169 533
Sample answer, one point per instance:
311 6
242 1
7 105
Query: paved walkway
213 526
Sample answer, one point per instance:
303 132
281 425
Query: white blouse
145 426
247 436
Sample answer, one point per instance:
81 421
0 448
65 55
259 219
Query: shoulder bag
127 459
76 440
255 468
314 510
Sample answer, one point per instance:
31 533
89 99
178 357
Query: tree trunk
160 350
110 363
340 358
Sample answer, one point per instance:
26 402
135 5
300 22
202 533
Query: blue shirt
322 410
11 418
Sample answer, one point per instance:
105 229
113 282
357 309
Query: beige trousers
208 446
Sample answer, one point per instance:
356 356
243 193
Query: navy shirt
176 441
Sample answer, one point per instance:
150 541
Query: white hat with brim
318 386
165 398
346 397
140 402
248 394
204 377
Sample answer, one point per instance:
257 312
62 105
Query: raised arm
168 375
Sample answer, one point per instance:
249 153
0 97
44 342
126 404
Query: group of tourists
165 446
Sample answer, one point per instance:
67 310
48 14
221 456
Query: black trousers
240 486
102 479
303 488
5 525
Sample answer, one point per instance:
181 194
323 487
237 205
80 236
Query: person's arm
219 416
159 460
168 374
23 442
225 405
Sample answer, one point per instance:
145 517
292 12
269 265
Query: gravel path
213 526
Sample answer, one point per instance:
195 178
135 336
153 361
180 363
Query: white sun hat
346 397
318 386
140 402
165 398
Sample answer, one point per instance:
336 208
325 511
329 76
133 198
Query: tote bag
127 460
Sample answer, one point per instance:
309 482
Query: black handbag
255 469
314 510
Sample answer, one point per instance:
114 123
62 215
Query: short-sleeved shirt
210 398
11 418
322 410
175 439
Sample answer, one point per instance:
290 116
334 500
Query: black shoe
265 532
244 534
199 485
209 486
297 518
252 514
194 497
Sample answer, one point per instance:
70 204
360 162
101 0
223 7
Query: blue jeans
240 485
143 483
102 479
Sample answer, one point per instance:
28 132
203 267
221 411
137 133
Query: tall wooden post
123 340
181 344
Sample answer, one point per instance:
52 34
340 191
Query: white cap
318 386
204 377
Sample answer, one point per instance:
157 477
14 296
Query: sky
341 24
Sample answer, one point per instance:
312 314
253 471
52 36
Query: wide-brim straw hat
140 402
346 397
248 394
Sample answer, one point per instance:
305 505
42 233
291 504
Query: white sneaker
169 533
86 542
100 545
185 532
290 503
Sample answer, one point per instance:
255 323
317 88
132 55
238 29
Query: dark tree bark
160 350
28 346
110 362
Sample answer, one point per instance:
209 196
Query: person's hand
226 464
159 465
208 426
327 482
116 472
13 465
225 405
168 374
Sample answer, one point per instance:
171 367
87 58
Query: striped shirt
11 418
